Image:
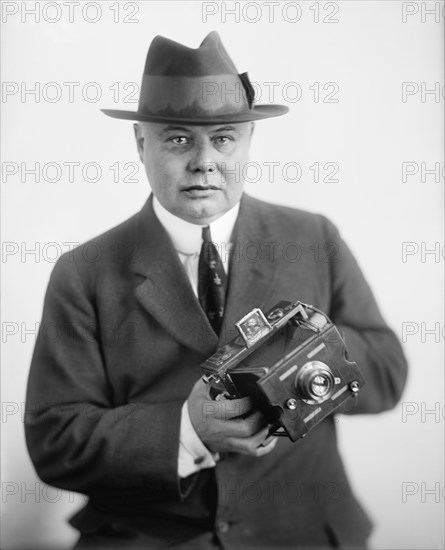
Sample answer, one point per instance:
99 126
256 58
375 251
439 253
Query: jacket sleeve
77 439
370 342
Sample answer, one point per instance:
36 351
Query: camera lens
315 382
320 385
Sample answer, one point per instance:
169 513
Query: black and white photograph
222 260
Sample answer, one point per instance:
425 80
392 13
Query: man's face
196 172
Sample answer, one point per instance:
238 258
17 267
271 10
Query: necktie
212 281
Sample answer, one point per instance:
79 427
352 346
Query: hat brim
258 112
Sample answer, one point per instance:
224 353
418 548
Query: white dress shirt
187 240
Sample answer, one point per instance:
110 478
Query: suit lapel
253 267
166 292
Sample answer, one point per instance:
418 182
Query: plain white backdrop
364 83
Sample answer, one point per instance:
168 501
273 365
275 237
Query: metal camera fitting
315 382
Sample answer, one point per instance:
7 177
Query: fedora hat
195 86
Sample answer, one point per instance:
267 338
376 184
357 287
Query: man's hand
226 426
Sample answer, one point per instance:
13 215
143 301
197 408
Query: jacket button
222 526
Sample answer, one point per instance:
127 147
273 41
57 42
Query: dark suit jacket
120 347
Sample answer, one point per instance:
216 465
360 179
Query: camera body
291 361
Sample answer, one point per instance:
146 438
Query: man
122 414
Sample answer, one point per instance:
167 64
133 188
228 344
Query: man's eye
223 140
179 140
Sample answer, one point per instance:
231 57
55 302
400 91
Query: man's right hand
228 426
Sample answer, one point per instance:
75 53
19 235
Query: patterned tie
212 281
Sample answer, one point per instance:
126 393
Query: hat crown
169 58
195 86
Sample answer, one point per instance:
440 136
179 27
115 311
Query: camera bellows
212 281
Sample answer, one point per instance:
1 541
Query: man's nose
203 159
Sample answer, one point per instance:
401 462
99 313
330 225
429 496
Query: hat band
198 96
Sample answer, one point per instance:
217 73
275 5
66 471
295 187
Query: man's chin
202 209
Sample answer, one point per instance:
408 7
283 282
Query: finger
265 449
239 429
237 407
230 408
200 391
268 441
246 427
249 445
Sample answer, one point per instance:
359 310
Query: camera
291 361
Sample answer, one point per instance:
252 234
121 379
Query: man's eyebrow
174 129
227 129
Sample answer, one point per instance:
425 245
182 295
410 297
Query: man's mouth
201 188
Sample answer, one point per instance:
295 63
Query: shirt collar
187 237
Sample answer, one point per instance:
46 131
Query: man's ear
138 134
